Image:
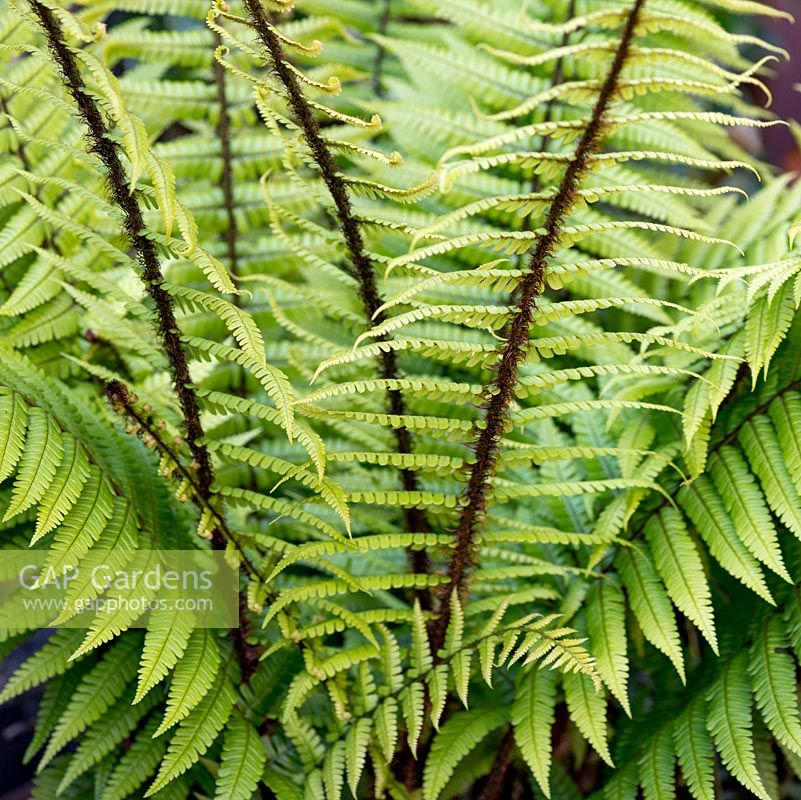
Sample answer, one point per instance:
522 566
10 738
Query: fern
454 326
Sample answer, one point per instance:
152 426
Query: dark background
777 145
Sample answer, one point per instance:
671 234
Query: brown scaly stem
227 183
151 274
493 788
227 177
414 518
124 403
134 224
502 390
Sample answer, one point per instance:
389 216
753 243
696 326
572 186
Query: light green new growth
468 332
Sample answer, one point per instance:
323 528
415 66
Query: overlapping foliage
449 321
